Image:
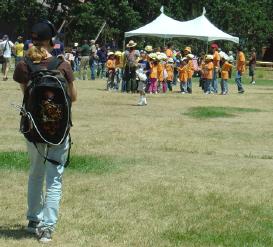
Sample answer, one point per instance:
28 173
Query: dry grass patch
152 176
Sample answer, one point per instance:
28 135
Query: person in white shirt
6 47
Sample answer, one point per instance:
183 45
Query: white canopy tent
199 28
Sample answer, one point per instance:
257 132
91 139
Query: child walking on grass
190 72
183 75
170 73
207 72
111 67
225 70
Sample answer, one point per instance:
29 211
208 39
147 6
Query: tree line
251 21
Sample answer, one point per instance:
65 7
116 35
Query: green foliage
250 20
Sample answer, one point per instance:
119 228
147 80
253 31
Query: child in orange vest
170 73
190 72
207 72
183 75
225 70
153 73
111 68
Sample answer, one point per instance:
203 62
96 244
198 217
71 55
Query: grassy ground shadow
204 112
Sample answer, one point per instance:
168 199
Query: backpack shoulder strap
54 63
31 66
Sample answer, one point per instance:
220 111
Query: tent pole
123 45
207 47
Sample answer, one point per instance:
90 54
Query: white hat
148 48
164 56
170 60
76 44
191 56
209 57
110 53
153 56
131 44
222 54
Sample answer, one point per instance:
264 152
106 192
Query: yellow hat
188 49
118 53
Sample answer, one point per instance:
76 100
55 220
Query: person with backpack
7 47
48 88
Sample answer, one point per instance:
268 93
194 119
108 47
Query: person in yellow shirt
19 50
216 64
190 72
207 72
241 67
225 70
183 75
119 68
170 73
111 67
169 51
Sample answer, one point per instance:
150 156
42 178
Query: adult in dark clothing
252 65
102 58
85 52
131 57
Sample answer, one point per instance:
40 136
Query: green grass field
186 170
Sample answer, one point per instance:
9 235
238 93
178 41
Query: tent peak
204 11
162 9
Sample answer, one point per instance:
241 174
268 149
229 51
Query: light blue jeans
214 85
183 87
189 85
224 86
43 206
238 80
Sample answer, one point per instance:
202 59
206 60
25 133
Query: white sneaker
253 83
141 101
145 101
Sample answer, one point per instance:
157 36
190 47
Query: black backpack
46 109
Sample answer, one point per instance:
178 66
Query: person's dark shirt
85 50
102 55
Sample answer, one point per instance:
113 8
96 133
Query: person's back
85 50
85 53
43 207
6 47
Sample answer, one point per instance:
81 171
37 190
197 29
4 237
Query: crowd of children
158 71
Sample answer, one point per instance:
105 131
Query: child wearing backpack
45 160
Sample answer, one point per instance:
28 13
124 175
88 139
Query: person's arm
23 88
72 91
